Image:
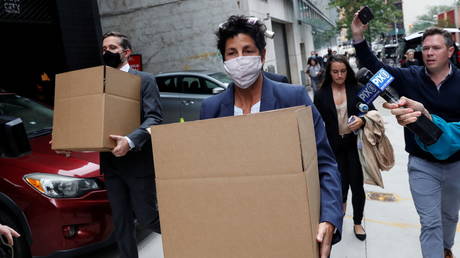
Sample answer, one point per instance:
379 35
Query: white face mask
244 70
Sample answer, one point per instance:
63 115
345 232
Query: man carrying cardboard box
241 41
128 169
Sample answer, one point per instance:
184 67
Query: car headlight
57 186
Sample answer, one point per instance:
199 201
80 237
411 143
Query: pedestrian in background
410 59
434 183
241 42
128 169
336 101
314 71
327 56
319 59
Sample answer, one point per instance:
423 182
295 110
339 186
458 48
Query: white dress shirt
254 109
125 68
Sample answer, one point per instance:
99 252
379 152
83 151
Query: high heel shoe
361 237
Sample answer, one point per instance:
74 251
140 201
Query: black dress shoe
361 237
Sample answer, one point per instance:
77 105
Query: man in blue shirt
434 183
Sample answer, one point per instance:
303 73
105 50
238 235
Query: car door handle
188 102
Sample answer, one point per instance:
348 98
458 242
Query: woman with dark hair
336 101
241 41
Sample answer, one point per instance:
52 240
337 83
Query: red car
57 203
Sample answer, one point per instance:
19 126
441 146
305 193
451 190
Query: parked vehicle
414 41
182 92
57 203
389 54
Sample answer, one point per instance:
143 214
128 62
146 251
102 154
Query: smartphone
351 119
365 15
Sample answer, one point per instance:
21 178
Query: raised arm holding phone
433 182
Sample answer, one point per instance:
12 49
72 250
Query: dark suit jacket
324 101
276 77
276 95
138 162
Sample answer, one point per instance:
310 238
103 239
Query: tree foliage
324 38
385 14
427 20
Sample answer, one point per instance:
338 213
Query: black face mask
112 59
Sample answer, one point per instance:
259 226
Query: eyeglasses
252 21
6 250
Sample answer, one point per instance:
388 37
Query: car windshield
37 119
222 77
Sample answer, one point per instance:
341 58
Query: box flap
82 82
310 168
121 83
307 138
227 146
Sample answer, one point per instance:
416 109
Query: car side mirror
217 90
13 137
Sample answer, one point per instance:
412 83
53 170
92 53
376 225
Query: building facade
174 35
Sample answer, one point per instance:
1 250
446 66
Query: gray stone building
174 35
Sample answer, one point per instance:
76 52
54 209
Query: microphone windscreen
364 75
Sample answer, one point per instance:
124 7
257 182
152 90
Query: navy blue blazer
276 95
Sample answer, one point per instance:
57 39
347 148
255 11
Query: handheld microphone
379 85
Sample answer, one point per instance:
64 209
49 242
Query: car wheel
21 247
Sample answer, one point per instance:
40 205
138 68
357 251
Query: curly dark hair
237 24
351 77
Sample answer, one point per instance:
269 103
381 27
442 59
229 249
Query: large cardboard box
239 187
93 103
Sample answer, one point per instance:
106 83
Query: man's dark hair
237 24
438 31
350 81
124 43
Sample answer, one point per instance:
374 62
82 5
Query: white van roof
420 33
